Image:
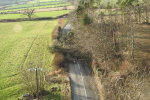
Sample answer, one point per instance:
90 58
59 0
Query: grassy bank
23 44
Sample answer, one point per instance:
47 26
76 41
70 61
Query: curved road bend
83 85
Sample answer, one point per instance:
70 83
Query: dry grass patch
55 33
142 50
58 60
133 87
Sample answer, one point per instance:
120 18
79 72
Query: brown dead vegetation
60 73
58 60
50 74
61 22
57 75
118 51
55 33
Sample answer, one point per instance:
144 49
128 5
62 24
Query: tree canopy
29 13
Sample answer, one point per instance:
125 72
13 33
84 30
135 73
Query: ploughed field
22 45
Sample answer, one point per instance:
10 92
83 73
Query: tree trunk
132 40
146 11
126 39
139 11
118 33
124 18
135 15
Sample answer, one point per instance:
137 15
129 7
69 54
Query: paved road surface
66 29
82 82
83 86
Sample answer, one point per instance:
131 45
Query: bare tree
146 4
29 13
139 13
110 43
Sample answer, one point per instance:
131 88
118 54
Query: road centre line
81 73
78 65
83 81
85 91
84 85
82 78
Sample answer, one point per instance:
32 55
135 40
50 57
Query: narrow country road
82 82
66 29
83 85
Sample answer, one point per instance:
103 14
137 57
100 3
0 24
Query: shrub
29 79
70 34
58 60
86 20
55 49
59 30
86 5
79 10
81 2
54 33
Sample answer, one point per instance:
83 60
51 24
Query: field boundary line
32 45
1 62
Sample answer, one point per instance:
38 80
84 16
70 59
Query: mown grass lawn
22 43
39 14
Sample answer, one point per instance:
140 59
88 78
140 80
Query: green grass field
24 1
22 43
39 14
31 5
38 7
51 6
34 1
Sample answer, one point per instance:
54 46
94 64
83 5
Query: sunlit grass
31 5
22 43
38 7
39 14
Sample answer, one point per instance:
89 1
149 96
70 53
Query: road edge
98 83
